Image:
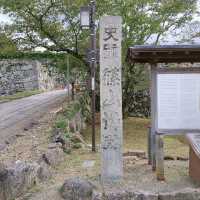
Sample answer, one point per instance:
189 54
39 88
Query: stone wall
48 76
22 75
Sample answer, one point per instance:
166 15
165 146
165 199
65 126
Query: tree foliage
51 24
54 24
190 33
6 44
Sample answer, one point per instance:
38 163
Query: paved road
19 114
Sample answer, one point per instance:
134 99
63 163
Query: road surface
16 115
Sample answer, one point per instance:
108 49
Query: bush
85 104
62 132
140 104
71 110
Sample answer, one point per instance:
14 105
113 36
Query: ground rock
53 157
77 189
88 164
23 134
127 195
80 189
78 138
30 125
138 153
55 145
44 172
182 158
143 195
170 196
67 146
96 195
2 146
169 157
186 194
3 172
59 138
17 179
117 195
11 139
130 160
72 126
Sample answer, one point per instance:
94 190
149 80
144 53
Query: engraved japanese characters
111 97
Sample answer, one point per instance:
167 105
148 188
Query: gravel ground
30 144
138 175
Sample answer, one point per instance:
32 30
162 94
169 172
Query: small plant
77 146
61 124
71 110
85 104
63 128
67 135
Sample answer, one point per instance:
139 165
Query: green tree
54 24
51 24
6 44
190 33
145 21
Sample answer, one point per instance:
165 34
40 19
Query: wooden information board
178 101
175 108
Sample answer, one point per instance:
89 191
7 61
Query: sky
4 18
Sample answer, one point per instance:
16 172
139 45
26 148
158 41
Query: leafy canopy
54 24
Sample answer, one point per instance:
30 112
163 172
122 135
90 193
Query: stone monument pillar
111 98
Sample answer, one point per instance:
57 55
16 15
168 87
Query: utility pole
68 81
93 68
87 18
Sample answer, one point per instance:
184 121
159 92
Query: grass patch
61 124
18 95
135 137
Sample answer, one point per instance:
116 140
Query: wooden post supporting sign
149 146
153 115
160 158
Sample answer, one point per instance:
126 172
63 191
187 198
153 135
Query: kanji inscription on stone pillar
111 98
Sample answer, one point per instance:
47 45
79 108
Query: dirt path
138 175
28 147
21 114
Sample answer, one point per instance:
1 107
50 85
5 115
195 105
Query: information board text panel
178 101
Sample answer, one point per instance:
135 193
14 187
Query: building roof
164 54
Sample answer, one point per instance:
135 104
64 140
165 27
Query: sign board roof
164 54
